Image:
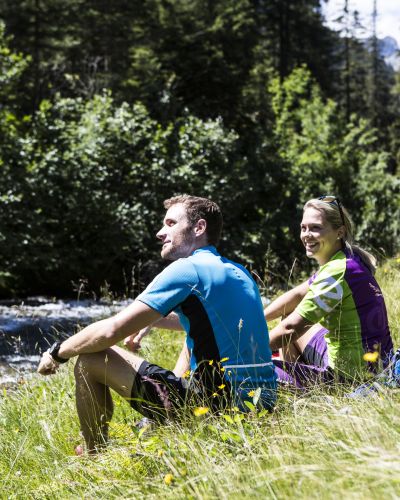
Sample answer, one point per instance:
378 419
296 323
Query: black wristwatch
53 351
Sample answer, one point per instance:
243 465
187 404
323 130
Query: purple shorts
311 368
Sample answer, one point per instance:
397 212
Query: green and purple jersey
345 298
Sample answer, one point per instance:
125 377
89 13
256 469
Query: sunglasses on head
333 200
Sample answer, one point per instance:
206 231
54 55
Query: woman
339 314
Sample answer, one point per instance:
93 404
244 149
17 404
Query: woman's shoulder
336 264
355 264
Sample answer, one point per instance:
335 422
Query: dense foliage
106 109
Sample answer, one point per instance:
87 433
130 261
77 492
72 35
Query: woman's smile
319 238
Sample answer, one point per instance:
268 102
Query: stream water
28 328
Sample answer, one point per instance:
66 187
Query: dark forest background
109 107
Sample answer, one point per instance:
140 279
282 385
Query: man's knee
88 364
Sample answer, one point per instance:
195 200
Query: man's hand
47 365
133 342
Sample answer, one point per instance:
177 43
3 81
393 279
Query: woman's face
319 238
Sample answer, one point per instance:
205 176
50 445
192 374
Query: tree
324 155
12 184
94 175
12 65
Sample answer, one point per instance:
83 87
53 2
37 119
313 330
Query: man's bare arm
183 362
171 322
105 333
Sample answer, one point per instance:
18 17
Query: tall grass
315 445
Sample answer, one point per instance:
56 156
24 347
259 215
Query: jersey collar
208 248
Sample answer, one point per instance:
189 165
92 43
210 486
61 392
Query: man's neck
199 245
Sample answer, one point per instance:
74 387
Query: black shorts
159 394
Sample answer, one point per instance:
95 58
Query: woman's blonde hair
338 216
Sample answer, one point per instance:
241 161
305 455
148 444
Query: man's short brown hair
200 208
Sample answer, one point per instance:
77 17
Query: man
219 306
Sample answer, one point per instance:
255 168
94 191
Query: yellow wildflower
224 359
372 357
221 386
160 453
215 394
251 393
200 410
211 362
168 479
186 374
222 369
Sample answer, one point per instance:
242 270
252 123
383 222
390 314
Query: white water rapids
28 328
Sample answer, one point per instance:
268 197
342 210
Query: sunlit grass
315 445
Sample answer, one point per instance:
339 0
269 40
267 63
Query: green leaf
250 406
228 418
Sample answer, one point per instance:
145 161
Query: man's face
177 235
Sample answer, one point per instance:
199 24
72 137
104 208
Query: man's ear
200 227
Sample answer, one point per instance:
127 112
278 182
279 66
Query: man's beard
177 251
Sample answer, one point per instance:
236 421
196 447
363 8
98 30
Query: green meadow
314 445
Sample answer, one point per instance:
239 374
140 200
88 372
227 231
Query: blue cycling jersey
219 306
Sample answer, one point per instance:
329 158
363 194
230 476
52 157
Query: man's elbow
110 331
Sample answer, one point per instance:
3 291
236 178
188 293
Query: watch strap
53 351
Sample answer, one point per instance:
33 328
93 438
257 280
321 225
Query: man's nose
161 234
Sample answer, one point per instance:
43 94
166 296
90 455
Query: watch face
55 348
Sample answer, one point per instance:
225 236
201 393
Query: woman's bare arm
286 303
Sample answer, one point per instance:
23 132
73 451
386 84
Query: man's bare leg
94 374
